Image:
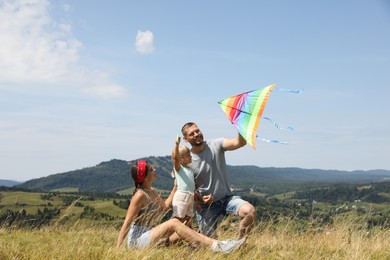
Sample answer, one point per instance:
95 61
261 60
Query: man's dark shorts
211 214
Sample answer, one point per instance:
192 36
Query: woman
147 208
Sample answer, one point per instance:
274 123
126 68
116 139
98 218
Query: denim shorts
210 215
139 236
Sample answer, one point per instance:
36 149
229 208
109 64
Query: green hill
9 183
280 180
114 176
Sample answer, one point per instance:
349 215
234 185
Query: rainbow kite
244 112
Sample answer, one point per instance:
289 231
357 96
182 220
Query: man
212 183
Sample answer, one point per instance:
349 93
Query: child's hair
182 150
138 172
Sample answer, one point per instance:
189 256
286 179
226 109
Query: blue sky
83 82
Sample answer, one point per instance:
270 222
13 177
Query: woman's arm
136 204
168 202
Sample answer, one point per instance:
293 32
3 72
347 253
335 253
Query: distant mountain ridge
9 183
114 175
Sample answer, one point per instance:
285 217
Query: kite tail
277 125
299 91
270 141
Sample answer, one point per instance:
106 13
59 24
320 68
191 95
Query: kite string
270 141
299 91
277 125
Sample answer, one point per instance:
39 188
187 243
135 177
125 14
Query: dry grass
342 240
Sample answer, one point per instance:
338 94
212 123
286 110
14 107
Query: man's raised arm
234 143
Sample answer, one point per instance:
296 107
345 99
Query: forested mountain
278 180
9 183
108 176
374 193
114 175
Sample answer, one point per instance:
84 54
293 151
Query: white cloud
37 49
66 7
33 47
144 42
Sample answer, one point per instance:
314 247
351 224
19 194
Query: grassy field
31 201
340 241
70 236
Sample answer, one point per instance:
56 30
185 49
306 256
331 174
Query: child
183 200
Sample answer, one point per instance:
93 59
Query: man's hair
185 126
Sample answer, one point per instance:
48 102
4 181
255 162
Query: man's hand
208 199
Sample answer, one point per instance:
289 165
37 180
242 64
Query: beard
198 141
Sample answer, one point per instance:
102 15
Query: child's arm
175 155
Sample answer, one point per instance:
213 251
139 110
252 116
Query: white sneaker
227 246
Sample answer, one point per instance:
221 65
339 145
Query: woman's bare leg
172 226
187 220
